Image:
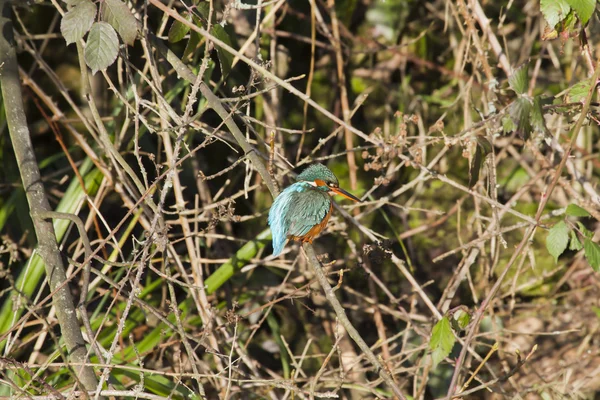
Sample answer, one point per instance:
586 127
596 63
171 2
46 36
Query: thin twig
38 201
341 314
479 314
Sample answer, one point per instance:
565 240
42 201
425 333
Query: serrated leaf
178 29
118 15
592 253
102 47
77 21
225 58
519 80
584 231
574 243
579 91
538 122
583 8
573 210
557 239
520 111
73 2
442 341
554 11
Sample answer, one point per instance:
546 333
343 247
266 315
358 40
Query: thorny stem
337 44
260 69
86 272
216 105
546 196
38 202
105 140
250 152
341 314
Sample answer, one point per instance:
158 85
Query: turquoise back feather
295 211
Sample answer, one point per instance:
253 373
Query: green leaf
519 80
508 125
483 148
73 2
203 9
475 166
461 319
568 24
573 210
583 8
592 253
345 10
118 15
29 278
191 45
586 232
554 11
276 334
225 58
579 91
557 239
77 21
442 341
574 243
520 111
102 47
178 29
484 143
235 263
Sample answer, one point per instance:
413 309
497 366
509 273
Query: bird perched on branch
302 210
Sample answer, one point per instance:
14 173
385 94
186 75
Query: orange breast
315 230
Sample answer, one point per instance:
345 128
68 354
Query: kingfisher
303 209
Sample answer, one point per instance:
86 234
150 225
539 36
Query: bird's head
323 179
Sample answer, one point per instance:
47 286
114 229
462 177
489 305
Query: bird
302 210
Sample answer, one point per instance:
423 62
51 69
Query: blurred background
456 116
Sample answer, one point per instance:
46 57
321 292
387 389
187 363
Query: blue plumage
295 211
302 210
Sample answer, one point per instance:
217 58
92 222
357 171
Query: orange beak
347 195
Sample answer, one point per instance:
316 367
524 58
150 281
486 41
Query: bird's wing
278 218
307 209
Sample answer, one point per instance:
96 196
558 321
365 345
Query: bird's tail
278 245
278 230
278 222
